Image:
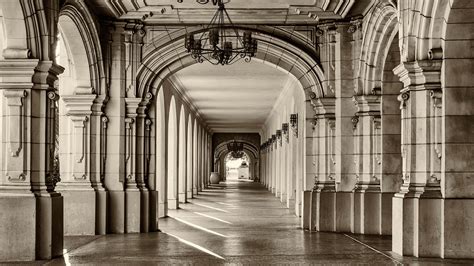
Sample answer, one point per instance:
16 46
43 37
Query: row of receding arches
98 132
184 146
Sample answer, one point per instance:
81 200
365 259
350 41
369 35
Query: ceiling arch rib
163 61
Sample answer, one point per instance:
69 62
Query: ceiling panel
238 97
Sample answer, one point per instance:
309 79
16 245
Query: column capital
325 107
131 105
426 73
367 103
17 73
78 105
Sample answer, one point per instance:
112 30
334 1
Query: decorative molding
16 126
403 99
355 121
16 123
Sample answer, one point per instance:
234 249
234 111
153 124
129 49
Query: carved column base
323 207
290 204
372 213
298 208
85 209
307 207
31 227
326 211
182 197
189 194
154 211
116 212
101 212
416 221
283 197
344 212
133 211
163 210
18 227
50 233
79 212
173 204
144 210
458 226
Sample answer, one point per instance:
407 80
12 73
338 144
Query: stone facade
372 134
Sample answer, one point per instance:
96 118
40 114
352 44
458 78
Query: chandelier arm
222 29
238 59
233 58
216 63
210 24
232 24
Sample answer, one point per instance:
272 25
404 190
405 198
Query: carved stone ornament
355 121
403 98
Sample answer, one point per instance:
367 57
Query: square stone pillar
133 195
31 219
370 215
417 208
324 191
84 195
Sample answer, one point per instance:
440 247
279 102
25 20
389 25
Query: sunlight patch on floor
211 217
196 246
199 227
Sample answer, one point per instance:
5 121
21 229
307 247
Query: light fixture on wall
221 43
236 149
278 134
284 129
294 123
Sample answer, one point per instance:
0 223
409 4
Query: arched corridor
305 131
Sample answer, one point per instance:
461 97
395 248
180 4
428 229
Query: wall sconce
284 129
278 134
294 123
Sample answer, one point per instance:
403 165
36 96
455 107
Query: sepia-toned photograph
236 132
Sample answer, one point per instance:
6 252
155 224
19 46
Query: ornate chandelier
221 43
236 149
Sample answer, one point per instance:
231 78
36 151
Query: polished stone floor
234 223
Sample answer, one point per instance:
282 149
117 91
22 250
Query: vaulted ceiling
235 98
241 11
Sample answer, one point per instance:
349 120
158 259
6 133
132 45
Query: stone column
143 124
344 110
417 207
324 191
31 219
195 159
371 207
75 160
131 183
279 162
274 164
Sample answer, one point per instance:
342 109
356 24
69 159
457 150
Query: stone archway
82 135
162 58
377 155
220 152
